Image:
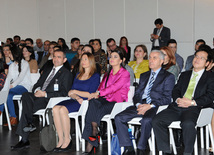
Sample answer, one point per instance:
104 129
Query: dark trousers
97 108
188 118
125 116
30 104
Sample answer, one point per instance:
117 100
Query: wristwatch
192 103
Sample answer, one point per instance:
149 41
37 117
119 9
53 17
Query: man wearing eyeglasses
193 91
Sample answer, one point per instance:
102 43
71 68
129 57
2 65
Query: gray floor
8 138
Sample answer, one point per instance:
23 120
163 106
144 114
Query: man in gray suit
198 43
160 35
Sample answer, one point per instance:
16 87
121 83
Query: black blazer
64 81
164 36
204 92
161 91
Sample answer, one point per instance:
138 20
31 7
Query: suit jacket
204 92
161 91
64 82
165 36
189 60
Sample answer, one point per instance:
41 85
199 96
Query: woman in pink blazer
113 88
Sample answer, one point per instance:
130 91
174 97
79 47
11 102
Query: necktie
48 80
148 98
191 86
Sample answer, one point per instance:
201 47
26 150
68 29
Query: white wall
50 19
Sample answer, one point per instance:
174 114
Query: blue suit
160 95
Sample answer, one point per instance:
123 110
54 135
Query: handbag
115 145
48 136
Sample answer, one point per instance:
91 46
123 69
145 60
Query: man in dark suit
193 91
54 82
160 36
154 89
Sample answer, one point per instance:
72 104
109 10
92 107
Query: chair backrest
55 100
131 93
162 107
34 77
3 96
118 107
83 108
205 117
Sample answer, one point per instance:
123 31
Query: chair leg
172 141
20 109
153 142
1 119
202 137
77 134
160 152
43 120
109 137
211 136
7 115
207 137
196 146
83 125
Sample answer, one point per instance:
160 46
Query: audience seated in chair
42 91
140 63
18 80
113 88
193 91
154 90
85 83
29 56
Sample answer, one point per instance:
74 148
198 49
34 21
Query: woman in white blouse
18 80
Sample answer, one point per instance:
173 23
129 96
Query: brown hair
123 37
92 63
172 59
144 49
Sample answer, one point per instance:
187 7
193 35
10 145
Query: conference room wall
86 19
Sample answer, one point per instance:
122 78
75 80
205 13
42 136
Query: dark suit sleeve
207 98
65 81
176 93
166 35
165 97
128 54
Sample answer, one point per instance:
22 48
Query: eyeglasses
198 57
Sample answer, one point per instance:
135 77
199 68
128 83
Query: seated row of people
113 88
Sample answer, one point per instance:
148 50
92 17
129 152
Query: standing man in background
160 35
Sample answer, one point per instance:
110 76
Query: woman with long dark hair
62 43
18 80
113 88
124 44
29 56
85 83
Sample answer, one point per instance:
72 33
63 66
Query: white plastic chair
3 100
136 121
204 119
74 115
34 79
118 107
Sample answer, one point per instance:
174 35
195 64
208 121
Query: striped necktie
48 80
191 86
148 98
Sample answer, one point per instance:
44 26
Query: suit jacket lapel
158 78
56 75
200 84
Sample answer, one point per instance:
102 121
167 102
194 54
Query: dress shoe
67 148
56 149
13 121
91 152
21 145
141 152
30 127
127 152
